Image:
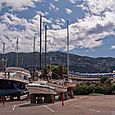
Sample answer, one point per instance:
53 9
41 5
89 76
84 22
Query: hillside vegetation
77 63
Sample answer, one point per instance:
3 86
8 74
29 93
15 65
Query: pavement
80 105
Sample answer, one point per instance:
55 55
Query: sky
91 26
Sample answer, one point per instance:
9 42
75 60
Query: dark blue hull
12 88
11 92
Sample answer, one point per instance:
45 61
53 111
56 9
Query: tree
103 79
60 70
57 71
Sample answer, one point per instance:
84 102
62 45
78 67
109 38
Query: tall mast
17 56
45 45
34 51
67 47
33 61
3 51
3 58
40 40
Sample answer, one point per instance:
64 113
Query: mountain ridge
78 63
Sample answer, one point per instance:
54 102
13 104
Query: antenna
45 45
67 48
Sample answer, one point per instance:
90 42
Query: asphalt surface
80 105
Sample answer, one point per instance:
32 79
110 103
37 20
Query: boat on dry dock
40 87
59 86
13 81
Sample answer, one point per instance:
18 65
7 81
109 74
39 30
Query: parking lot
80 105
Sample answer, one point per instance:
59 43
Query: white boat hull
41 90
59 88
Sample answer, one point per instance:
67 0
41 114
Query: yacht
13 81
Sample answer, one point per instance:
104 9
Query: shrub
84 89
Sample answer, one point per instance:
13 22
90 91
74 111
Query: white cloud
73 1
40 13
86 32
19 4
55 27
56 0
53 7
25 36
99 6
91 29
98 22
57 9
69 11
62 20
112 47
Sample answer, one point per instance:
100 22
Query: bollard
52 98
3 100
62 99
33 98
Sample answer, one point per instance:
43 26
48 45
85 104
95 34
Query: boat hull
41 90
59 88
12 88
11 92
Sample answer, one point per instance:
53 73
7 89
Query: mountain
77 63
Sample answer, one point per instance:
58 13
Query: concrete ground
80 105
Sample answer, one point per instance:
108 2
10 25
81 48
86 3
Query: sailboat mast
33 57
40 40
3 56
3 51
34 51
67 47
17 56
45 45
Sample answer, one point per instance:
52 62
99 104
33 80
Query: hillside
77 63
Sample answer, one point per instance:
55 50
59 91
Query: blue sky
91 25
